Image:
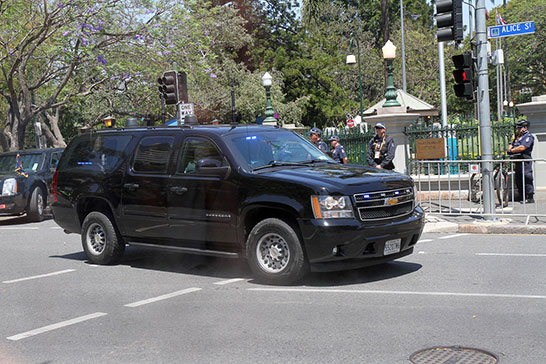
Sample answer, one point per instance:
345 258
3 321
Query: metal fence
462 141
458 187
355 142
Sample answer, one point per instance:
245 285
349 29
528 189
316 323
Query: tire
36 205
275 253
501 188
101 241
474 192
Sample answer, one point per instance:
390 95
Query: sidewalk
505 224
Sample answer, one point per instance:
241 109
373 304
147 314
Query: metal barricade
449 187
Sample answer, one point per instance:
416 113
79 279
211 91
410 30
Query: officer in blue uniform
521 148
338 152
314 136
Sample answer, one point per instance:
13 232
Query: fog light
336 250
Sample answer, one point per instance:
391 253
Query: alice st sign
509 30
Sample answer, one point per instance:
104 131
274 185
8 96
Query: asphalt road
480 291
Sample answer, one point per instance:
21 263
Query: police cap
522 124
334 137
315 131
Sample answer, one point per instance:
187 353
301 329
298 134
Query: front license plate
392 246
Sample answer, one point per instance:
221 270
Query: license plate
392 246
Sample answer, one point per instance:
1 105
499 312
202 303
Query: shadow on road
18 220
237 268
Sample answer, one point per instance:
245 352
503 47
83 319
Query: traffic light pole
484 111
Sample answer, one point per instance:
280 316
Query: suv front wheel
275 253
101 242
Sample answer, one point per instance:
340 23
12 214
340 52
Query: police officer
381 149
314 136
521 148
338 152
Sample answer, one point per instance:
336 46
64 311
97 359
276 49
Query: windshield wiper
317 161
277 164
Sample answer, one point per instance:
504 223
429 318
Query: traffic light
464 75
449 20
168 87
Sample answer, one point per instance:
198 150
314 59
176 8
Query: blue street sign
509 30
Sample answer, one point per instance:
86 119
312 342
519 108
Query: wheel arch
88 204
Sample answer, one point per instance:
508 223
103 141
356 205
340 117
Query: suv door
144 189
202 205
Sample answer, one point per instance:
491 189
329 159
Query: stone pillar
395 120
536 115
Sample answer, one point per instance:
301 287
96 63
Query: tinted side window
152 154
194 151
55 157
96 152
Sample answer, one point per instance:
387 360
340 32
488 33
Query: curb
478 228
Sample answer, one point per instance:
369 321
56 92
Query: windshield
276 147
30 162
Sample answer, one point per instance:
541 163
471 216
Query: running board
213 253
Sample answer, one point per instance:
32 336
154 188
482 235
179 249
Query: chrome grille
384 204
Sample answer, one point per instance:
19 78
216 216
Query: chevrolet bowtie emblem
391 201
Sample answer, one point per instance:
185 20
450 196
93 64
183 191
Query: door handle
131 186
178 190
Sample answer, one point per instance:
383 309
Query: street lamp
504 113
352 60
511 110
389 53
269 112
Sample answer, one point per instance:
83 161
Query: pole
359 72
403 47
441 62
507 67
484 114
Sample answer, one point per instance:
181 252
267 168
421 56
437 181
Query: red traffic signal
464 75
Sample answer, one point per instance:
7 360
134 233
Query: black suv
25 181
258 192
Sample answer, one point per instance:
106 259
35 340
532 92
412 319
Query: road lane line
47 328
163 297
19 228
229 281
511 255
452 236
317 290
56 227
425 240
40 276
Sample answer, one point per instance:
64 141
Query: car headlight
9 188
332 207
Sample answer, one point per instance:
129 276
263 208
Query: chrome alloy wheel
272 253
96 239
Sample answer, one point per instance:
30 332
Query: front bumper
12 205
358 244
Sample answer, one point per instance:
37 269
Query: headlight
331 207
9 188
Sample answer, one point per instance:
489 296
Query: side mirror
212 167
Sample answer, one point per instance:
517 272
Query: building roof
409 104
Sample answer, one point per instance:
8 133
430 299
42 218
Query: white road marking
424 240
452 236
317 290
40 276
18 228
56 227
163 297
511 255
229 281
56 326
421 252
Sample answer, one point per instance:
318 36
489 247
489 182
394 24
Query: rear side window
55 157
196 150
152 154
99 153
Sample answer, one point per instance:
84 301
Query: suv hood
345 179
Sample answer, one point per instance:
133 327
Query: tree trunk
52 131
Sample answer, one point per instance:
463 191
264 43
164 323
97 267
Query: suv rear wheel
101 242
275 253
36 205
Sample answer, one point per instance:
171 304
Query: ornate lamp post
389 53
269 112
352 60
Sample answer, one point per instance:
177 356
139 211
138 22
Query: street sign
185 109
350 123
430 148
509 30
